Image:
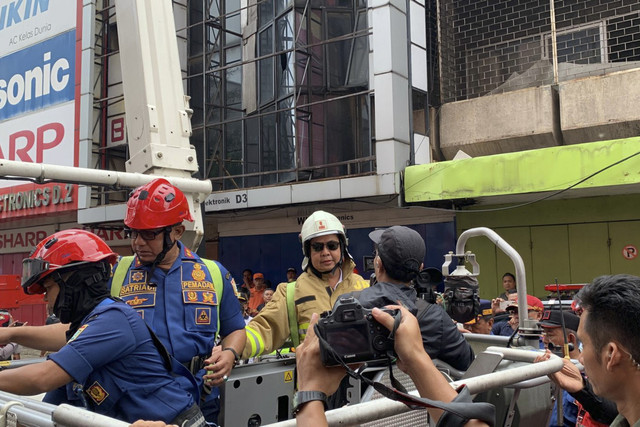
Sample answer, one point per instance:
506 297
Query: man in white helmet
327 273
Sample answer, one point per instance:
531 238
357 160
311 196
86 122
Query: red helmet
155 205
59 251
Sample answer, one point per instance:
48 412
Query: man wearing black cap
399 255
482 323
553 337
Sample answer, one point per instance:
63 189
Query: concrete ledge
515 121
600 108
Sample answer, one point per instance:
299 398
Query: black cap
401 250
292 269
551 319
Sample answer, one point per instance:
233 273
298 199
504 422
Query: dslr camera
353 334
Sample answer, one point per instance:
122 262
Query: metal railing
517 377
27 412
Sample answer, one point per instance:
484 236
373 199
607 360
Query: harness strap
291 312
118 275
218 285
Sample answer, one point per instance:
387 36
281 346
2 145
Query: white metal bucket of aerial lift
518 373
258 393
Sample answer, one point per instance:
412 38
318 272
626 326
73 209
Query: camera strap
457 412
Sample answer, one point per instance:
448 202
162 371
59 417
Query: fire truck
158 126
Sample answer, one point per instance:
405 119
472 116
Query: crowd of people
179 322
255 291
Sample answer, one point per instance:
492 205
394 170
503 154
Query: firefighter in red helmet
171 285
107 340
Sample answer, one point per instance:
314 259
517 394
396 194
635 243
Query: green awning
532 171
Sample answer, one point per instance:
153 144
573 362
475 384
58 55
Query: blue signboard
39 76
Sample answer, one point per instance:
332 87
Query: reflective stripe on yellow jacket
269 330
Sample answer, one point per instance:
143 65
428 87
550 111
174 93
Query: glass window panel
303 132
268 145
213 60
316 68
340 135
214 9
359 63
213 83
232 20
265 41
364 146
265 66
195 40
233 154
213 146
332 3
252 154
196 102
232 54
266 80
338 24
195 65
212 42
301 57
285 66
265 12
234 88
317 132
286 140
282 5
195 12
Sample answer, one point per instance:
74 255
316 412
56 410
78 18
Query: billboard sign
40 45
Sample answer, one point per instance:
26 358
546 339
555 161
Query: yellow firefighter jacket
269 330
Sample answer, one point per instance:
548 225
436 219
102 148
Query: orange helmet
155 205
62 250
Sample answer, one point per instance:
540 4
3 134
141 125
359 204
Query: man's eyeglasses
147 235
319 246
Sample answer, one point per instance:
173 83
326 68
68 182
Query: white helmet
320 223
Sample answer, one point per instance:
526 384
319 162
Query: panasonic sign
38 76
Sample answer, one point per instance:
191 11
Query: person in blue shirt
187 301
110 364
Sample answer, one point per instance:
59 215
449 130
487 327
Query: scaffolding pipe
383 408
521 278
88 176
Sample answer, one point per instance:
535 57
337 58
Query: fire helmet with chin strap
60 251
155 205
321 223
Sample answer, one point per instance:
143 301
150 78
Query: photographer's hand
313 376
414 360
408 340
